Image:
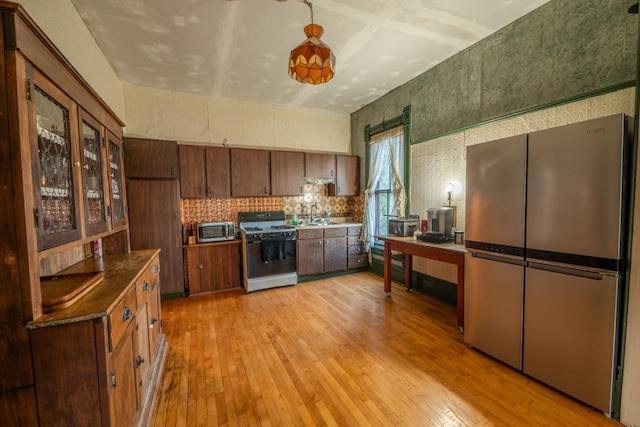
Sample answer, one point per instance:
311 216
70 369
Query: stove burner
252 229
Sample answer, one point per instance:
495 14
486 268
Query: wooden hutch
80 336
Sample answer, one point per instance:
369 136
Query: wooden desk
445 252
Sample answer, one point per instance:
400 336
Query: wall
162 114
63 25
437 162
564 50
561 50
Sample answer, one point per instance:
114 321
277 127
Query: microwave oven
215 231
404 226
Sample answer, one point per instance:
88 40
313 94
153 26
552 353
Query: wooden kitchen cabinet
310 249
115 156
335 249
320 165
92 361
357 256
250 173
154 217
151 158
287 173
204 171
347 181
322 250
213 266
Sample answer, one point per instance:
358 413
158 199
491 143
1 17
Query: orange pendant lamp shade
312 61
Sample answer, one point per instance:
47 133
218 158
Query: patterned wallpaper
436 163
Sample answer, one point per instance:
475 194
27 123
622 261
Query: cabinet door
154 222
193 181
121 380
150 158
250 173
118 193
56 181
218 172
213 268
335 254
319 165
310 256
92 143
347 177
142 355
287 173
155 324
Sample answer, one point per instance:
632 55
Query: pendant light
312 61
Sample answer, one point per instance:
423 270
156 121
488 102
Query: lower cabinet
357 256
322 250
95 367
213 266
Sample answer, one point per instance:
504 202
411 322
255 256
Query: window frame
403 120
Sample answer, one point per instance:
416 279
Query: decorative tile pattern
227 209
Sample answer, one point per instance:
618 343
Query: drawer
335 232
355 231
310 233
356 249
143 287
357 261
354 240
121 316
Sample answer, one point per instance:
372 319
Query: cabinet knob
126 314
200 266
113 379
156 268
139 361
145 285
153 321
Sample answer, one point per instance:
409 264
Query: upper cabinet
287 173
118 208
320 165
53 119
250 173
150 158
347 177
92 155
204 171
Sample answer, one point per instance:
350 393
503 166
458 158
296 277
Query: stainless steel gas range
268 250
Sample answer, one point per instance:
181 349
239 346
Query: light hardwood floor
339 352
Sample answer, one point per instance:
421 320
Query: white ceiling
239 49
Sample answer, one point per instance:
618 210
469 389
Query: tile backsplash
227 209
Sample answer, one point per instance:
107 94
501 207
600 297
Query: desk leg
408 271
387 268
461 294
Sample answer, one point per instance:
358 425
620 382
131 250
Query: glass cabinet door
116 178
92 155
56 202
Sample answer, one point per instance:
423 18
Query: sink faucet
315 205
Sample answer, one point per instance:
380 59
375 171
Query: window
385 194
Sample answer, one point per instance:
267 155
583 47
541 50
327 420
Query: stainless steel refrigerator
569 273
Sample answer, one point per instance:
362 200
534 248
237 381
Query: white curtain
384 147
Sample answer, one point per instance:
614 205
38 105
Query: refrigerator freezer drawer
569 334
493 308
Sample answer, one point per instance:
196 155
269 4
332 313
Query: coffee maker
440 221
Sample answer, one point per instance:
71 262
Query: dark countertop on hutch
120 272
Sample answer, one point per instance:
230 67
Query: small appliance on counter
405 226
215 231
439 224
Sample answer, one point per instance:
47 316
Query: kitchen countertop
330 225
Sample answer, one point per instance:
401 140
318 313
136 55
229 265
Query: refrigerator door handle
564 270
498 258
